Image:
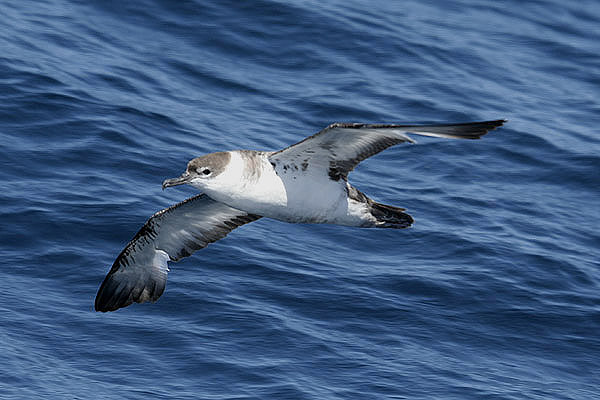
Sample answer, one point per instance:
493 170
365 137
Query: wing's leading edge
342 146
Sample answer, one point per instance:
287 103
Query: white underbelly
298 200
292 195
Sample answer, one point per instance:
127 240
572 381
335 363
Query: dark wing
140 272
341 146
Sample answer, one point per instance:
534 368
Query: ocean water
494 293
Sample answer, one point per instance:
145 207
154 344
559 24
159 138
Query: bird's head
202 172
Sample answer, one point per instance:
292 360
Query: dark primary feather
342 146
139 273
466 130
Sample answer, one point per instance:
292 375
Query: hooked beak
182 180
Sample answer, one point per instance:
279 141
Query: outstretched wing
341 146
140 272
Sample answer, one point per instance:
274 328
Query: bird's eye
206 171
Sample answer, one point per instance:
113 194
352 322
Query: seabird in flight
304 183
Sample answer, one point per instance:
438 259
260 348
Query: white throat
249 185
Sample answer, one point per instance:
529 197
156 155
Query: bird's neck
249 181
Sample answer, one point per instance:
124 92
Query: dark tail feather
390 216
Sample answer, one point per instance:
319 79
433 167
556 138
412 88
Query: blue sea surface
494 293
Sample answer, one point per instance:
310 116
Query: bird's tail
390 216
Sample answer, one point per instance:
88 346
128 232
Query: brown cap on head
209 165
214 162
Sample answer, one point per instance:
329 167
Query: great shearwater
304 183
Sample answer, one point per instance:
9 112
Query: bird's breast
285 192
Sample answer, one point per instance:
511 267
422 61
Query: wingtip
495 124
114 294
109 299
115 301
465 130
487 126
